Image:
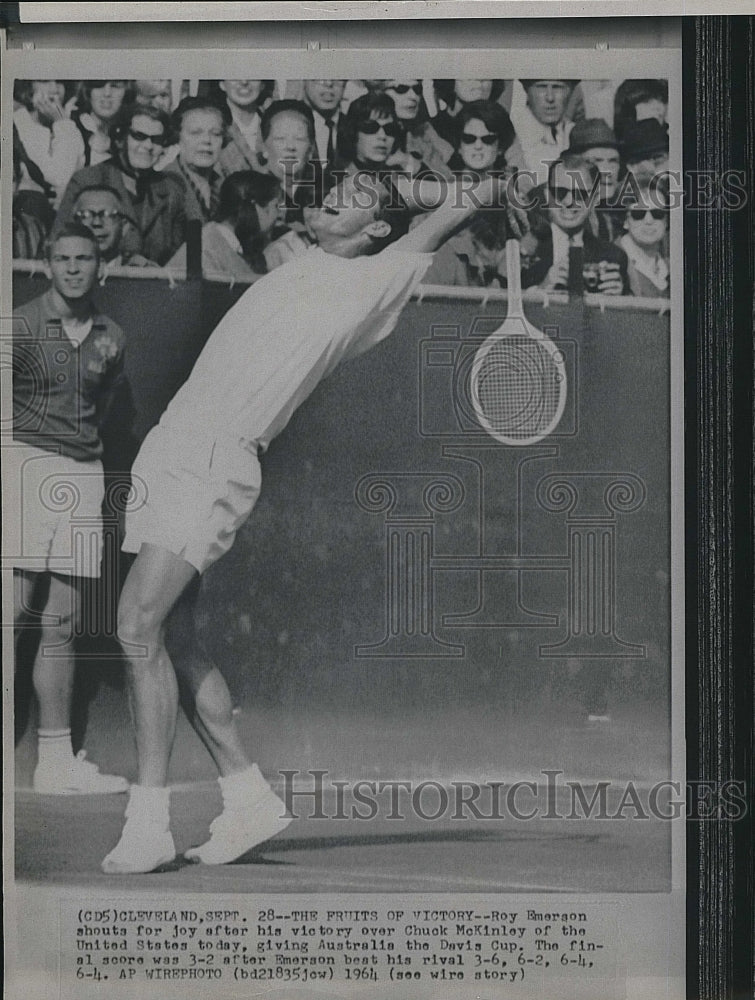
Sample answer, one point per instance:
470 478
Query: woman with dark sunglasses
644 243
475 256
424 150
483 135
153 202
453 95
370 133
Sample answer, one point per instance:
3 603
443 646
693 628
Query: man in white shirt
542 126
202 477
324 97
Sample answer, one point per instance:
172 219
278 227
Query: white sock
243 786
54 746
150 804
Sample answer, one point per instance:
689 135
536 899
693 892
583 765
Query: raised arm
456 203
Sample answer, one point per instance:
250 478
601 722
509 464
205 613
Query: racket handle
514 279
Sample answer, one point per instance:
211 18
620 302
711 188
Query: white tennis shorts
52 508
191 494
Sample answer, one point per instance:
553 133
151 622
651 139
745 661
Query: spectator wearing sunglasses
455 95
484 134
245 100
48 135
452 95
475 255
100 209
370 133
97 107
153 202
426 152
569 254
644 241
200 124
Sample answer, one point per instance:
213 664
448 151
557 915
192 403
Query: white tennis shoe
247 820
146 841
76 776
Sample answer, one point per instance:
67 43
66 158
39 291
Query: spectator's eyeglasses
638 214
577 195
156 140
469 138
99 215
391 129
404 88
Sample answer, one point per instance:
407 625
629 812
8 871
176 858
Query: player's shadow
258 855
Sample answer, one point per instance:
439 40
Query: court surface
62 839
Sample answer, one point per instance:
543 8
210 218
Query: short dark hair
493 116
126 115
629 94
199 103
68 231
100 187
84 96
287 106
217 94
373 104
240 194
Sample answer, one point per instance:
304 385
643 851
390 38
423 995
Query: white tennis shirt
287 333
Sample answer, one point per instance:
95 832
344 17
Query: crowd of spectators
137 161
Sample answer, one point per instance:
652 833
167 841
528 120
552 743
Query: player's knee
138 624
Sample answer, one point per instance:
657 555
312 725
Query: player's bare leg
252 813
155 588
212 716
154 584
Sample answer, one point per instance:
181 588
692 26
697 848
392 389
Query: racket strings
519 387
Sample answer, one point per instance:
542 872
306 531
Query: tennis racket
518 378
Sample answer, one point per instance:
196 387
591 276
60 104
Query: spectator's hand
610 279
557 277
51 108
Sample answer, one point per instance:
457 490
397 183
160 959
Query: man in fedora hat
645 148
596 142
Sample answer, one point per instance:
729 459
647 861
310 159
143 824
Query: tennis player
202 473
